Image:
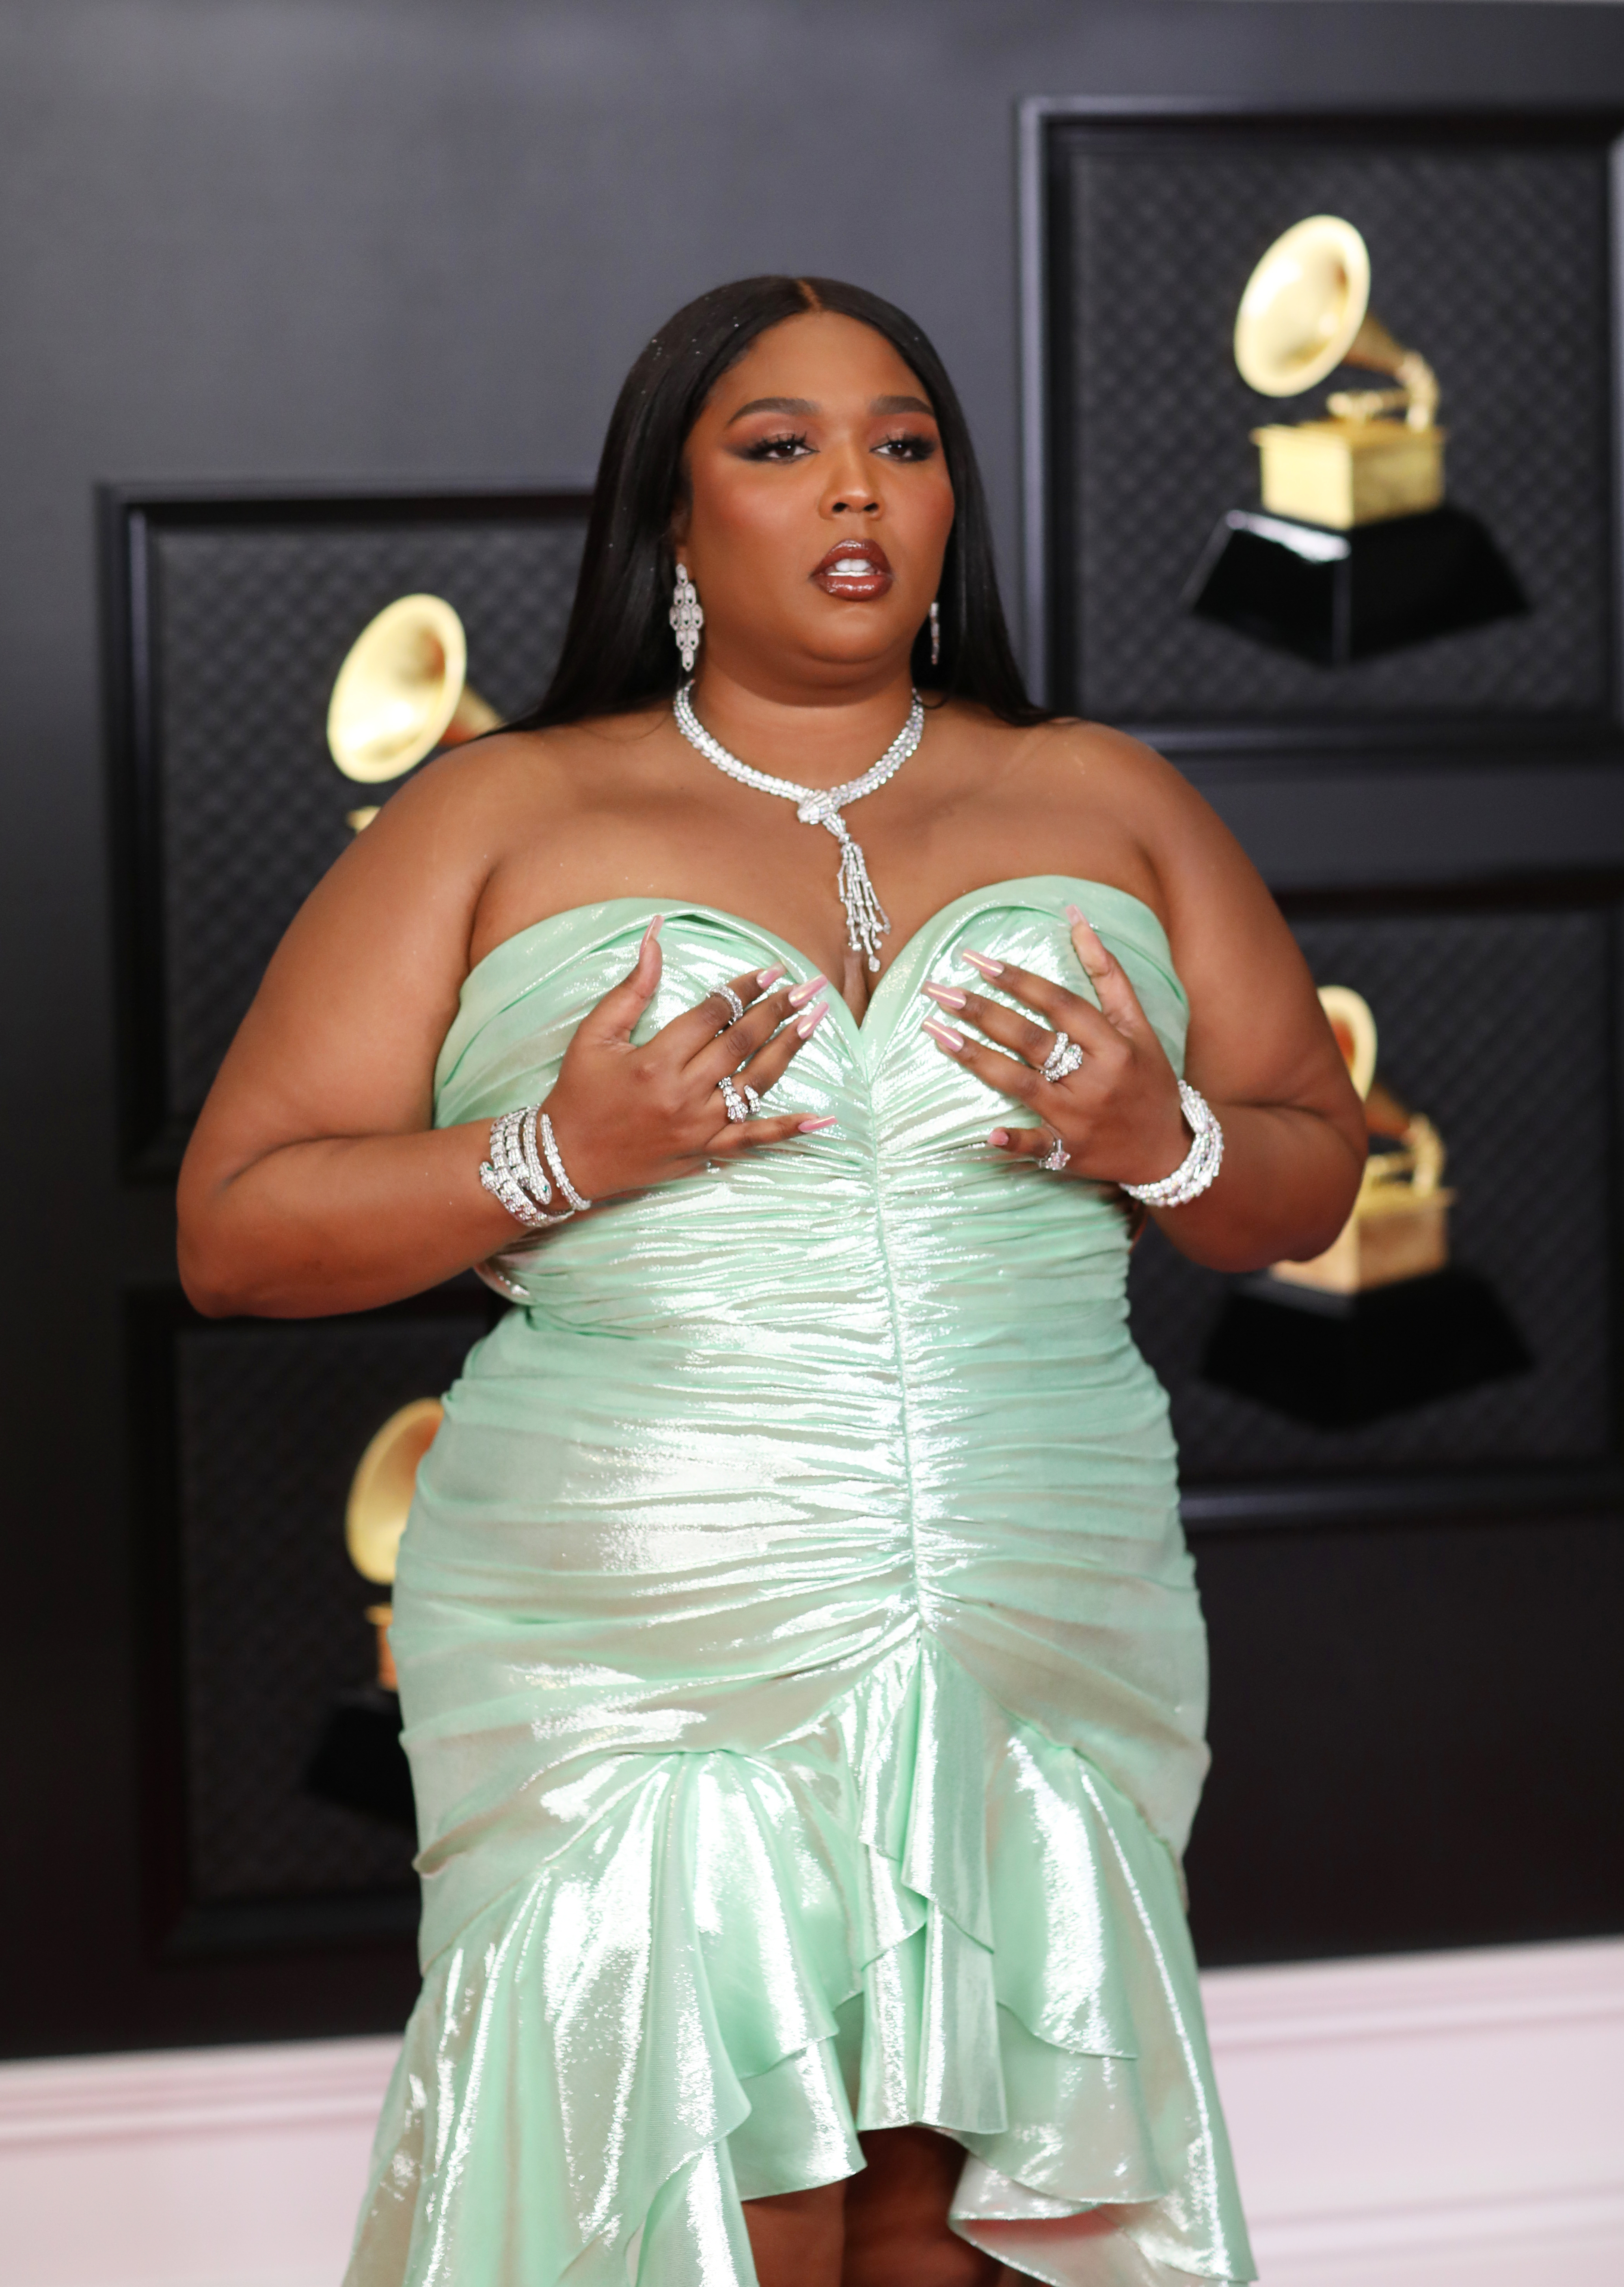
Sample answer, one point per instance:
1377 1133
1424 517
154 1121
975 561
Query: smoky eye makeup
909 445
783 444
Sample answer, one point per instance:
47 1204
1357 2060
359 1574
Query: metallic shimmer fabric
804 1678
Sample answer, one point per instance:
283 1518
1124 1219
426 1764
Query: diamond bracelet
1200 1164
514 1173
549 1145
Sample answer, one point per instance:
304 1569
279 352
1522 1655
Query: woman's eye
786 447
910 447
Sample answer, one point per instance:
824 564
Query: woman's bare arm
315 1181
1260 1050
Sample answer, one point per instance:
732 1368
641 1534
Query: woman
803 1677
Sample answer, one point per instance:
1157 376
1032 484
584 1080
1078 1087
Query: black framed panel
1493 246
1412 1728
248 1435
1412 1621
228 616
1498 1015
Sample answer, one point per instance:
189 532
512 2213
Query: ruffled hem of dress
923 1910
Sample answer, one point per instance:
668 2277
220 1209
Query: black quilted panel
1499 1028
272 1422
249 626
1492 262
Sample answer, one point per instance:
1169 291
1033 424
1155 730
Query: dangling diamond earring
935 636
686 618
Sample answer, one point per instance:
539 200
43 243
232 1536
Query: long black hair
618 648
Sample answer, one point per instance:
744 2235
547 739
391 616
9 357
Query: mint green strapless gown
803 1676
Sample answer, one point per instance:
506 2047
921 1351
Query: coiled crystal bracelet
1200 1164
514 1173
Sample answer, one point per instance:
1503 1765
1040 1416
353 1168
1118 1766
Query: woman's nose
851 487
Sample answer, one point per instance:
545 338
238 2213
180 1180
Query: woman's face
819 506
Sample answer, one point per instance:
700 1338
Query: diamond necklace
866 919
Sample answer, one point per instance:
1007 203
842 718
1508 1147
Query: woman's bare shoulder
1145 794
498 784
1062 744
1099 755
506 763
1110 806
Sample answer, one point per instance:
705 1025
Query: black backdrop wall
419 240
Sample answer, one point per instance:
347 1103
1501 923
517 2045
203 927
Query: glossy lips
858 571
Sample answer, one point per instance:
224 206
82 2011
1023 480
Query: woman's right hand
627 1117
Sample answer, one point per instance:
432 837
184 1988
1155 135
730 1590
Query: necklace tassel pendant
866 919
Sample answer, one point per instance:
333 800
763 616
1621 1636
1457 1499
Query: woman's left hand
1116 1114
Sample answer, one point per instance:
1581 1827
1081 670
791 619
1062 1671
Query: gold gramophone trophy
1382 1321
358 1760
403 691
1380 452
1399 1226
1355 548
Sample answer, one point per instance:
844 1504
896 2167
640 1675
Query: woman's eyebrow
774 405
810 405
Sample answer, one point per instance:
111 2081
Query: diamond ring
738 1109
1063 1058
735 1006
1056 1157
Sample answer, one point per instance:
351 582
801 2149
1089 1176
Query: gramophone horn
381 1490
1354 1027
403 691
1305 311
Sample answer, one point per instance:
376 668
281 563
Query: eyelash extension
765 447
906 445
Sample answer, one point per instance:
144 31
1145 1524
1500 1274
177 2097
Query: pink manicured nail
999 1138
766 977
809 1019
799 995
946 995
1080 919
983 962
650 934
812 1127
951 1040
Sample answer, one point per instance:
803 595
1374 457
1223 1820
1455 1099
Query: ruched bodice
802 1670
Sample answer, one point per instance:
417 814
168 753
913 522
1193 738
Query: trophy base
1333 598
359 1762
1339 1361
